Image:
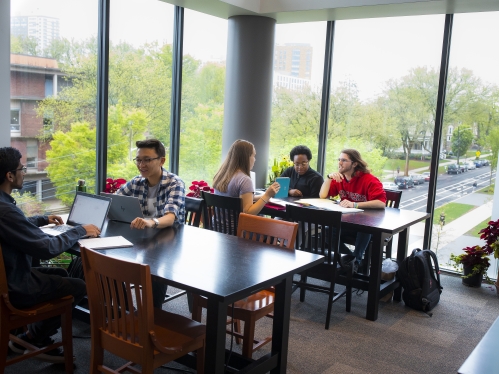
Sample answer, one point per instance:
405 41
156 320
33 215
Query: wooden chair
260 304
320 232
148 336
193 211
221 213
12 318
392 201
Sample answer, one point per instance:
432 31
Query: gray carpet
402 340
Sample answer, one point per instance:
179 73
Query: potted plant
475 262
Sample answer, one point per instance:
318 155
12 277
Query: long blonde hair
238 158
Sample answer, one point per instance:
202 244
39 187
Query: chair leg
237 328
349 290
4 343
330 303
200 359
303 279
388 249
249 337
67 339
197 310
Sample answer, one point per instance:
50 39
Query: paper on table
328 204
105 243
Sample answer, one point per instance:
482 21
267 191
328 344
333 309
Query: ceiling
291 11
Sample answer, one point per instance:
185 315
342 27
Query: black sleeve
315 185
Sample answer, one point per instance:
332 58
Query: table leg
402 245
280 327
374 277
215 337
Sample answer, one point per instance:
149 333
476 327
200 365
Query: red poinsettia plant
112 185
491 235
198 186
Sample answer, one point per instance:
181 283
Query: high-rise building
293 59
43 29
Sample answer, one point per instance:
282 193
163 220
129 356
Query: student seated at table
357 188
233 177
161 195
21 239
304 181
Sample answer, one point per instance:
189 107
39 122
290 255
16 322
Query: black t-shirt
309 183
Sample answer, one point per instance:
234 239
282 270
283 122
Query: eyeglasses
344 160
24 169
302 164
144 161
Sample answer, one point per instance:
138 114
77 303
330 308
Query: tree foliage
462 137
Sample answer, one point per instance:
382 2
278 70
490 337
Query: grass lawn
489 190
391 164
474 231
451 211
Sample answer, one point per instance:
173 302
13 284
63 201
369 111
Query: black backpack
420 280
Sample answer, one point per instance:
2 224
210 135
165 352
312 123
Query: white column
4 73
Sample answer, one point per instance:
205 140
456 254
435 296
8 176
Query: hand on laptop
56 220
92 230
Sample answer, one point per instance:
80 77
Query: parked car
390 186
418 178
463 166
453 169
478 163
471 166
404 182
485 162
426 175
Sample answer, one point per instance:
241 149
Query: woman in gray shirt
233 178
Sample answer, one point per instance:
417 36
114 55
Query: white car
390 186
471 166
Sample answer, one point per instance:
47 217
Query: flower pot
474 280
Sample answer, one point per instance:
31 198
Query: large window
203 86
297 89
140 79
53 79
383 100
465 185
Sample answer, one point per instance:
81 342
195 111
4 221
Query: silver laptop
123 208
86 209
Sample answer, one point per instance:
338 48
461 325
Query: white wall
4 73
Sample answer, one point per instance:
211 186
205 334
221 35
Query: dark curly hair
9 161
155 144
300 150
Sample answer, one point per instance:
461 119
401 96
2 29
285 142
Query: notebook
86 209
283 191
123 208
105 243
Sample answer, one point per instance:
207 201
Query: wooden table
381 223
223 268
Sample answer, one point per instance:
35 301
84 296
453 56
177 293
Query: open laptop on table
86 209
123 208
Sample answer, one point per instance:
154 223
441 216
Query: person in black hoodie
304 181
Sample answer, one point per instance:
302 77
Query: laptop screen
89 209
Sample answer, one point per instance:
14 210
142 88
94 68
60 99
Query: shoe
55 356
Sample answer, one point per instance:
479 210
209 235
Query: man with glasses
357 188
304 181
161 195
21 239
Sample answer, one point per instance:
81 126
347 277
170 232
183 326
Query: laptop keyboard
62 228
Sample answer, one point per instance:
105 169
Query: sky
367 52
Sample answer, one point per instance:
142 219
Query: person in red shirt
357 188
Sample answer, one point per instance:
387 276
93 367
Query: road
449 188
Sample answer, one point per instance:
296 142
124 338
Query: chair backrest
221 213
393 198
267 230
319 231
193 210
116 287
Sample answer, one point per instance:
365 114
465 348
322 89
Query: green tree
29 204
462 137
26 45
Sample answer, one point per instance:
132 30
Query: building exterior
293 59
43 29
31 79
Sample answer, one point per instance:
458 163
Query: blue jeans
361 242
